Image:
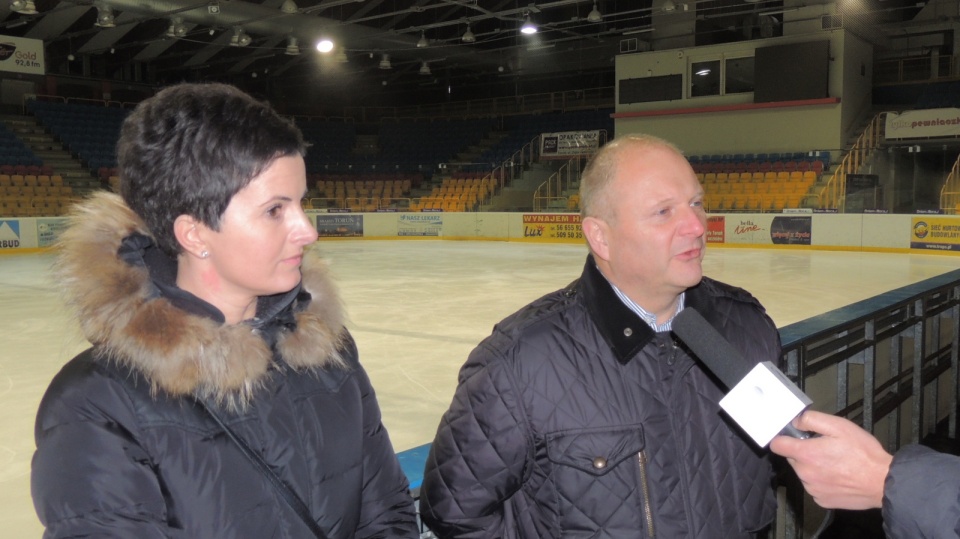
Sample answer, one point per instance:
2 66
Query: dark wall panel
647 89
791 72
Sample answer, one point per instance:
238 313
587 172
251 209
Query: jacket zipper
645 487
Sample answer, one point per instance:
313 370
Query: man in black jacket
581 416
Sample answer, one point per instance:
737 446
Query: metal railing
921 68
511 168
889 364
950 192
552 190
833 194
566 100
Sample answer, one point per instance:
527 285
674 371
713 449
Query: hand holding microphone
761 399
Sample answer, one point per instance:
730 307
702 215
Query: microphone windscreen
716 353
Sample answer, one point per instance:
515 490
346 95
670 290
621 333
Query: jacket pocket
595 451
596 479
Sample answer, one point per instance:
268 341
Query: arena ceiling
422 41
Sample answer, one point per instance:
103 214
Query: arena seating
461 193
90 132
33 195
14 153
362 193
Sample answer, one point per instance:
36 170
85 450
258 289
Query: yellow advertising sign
552 227
933 232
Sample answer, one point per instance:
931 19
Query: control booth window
738 75
705 78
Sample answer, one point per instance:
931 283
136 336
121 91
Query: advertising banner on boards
552 226
333 225
935 233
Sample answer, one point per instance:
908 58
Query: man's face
654 226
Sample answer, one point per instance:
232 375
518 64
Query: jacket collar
121 288
624 331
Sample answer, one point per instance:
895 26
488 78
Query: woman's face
263 232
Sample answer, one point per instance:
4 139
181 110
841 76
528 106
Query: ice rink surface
416 309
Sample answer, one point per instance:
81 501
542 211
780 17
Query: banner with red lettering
923 123
552 226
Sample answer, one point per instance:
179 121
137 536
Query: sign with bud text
22 55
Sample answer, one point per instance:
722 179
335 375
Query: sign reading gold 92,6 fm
552 227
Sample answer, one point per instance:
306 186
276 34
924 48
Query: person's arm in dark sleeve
921 495
479 456
387 509
90 477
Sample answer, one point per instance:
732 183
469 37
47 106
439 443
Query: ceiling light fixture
23 7
385 62
176 28
528 26
104 17
468 36
289 7
425 68
239 37
325 45
292 48
669 6
423 43
594 15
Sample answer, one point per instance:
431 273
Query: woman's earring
204 254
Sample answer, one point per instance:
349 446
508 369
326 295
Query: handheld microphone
761 399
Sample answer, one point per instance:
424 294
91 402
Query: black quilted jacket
921 496
575 419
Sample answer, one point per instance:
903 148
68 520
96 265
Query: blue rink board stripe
412 462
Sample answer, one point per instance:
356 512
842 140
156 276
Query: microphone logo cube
764 402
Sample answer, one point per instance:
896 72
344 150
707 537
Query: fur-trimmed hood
125 314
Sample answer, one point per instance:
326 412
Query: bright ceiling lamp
325 45
289 7
594 15
385 62
528 27
23 7
425 68
292 48
423 43
468 36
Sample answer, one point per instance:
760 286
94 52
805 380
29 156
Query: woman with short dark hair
222 396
